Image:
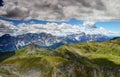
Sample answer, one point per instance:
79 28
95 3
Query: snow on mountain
9 43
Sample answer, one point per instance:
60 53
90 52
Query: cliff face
71 60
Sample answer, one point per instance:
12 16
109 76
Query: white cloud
61 9
52 28
90 24
7 28
100 30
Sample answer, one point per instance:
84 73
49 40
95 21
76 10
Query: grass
99 53
55 60
74 56
27 63
84 53
104 59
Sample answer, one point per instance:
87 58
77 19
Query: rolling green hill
89 59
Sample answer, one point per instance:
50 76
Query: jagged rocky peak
9 43
6 35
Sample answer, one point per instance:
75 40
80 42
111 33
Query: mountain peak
6 35
31 40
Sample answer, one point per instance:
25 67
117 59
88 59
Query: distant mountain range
10 43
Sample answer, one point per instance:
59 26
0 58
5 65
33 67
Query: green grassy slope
68 60
100 53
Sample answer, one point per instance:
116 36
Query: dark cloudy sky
99 16
61 9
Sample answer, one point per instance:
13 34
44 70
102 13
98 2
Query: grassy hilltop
89 59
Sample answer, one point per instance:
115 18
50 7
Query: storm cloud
61 9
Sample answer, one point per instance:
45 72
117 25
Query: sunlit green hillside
87 59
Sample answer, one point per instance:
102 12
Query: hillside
89 59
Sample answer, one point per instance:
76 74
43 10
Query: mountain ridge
10 43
